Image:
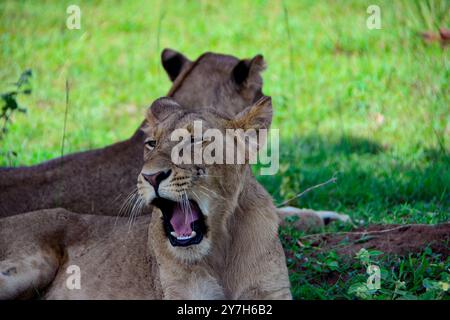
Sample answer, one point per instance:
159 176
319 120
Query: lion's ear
258 116
247 70
161 109
173 62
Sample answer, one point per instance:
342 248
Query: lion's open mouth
184 223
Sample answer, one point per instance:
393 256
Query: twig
57 195
65 118
291 49
288 32
372 232
331 180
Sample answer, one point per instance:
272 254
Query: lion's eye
150 144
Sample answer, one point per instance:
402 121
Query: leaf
360 290
363 255
408 296
374 253
333 265
10 103
435 285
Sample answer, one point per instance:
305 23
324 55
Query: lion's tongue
181 220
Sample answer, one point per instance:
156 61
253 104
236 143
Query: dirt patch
390 239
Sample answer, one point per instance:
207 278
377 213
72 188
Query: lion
212 233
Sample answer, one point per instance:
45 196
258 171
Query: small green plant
9 99
362 289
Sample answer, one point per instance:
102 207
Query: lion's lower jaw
179 254
182 272
190 254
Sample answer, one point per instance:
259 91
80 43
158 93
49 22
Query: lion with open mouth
212 233
213 218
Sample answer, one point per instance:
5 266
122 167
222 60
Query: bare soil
390 239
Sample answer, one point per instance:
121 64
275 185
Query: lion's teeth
193 234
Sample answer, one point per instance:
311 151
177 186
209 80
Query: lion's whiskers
188 205
131 207
126 204
135 211
205 194
213 192
196 196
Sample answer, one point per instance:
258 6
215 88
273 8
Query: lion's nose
156 178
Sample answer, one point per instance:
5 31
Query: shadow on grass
373 181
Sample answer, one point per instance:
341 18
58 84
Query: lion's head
222 81
195 200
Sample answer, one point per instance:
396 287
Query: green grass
370 107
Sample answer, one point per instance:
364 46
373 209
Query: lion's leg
25 275
31 250
307 219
